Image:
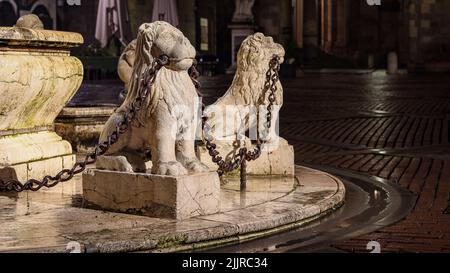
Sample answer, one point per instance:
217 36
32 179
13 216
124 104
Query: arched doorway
355 32
44 15
8 16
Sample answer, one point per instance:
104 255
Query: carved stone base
81 126
279 161
34 155
37 78
153 195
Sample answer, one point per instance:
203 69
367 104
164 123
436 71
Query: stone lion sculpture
126 62
30 21
167 122
243 109
231 116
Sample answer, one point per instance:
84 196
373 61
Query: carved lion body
166 125
230 117
126 62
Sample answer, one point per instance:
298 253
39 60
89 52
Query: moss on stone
234 174
170 241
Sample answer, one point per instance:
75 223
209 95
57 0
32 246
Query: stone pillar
371 61
392 63
242 25
327 24
310 23
286 24
37 79
299 23
342 13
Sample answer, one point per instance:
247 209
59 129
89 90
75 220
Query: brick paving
395 128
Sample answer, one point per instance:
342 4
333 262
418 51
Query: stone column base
82 126
279 161
172 197
34 155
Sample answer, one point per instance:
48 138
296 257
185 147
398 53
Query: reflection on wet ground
49 219
370 205
259 190
390 127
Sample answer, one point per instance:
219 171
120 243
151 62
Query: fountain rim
16 36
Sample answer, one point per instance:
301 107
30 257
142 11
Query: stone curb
231 233
287 206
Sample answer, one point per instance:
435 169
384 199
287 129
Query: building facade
316 33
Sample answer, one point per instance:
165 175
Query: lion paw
172 168
114 163
195 166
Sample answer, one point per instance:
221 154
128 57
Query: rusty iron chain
244 155
272 78
12 185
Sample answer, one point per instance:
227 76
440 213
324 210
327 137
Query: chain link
244 155
12 185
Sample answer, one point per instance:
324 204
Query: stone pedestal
392 67
153 195
37 79
35 155
82 126
277 161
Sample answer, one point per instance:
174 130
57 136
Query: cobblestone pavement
395 128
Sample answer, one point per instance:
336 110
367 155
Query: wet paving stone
51 219
393 127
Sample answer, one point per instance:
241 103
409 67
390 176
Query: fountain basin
38 77
270 205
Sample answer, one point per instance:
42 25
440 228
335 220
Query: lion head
126 62
153 40
30 21
247 89
253 61
256 52
159 38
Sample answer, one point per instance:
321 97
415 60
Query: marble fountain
127 203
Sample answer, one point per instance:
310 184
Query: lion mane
168 83
248 86
166 121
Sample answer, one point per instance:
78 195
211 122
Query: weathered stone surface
168 119
244 104
19 171
38 169
82 126
279 161
179 197
30 21
266 204
231 116
126 63
13 36
22 148
243 11
35 88
35 85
